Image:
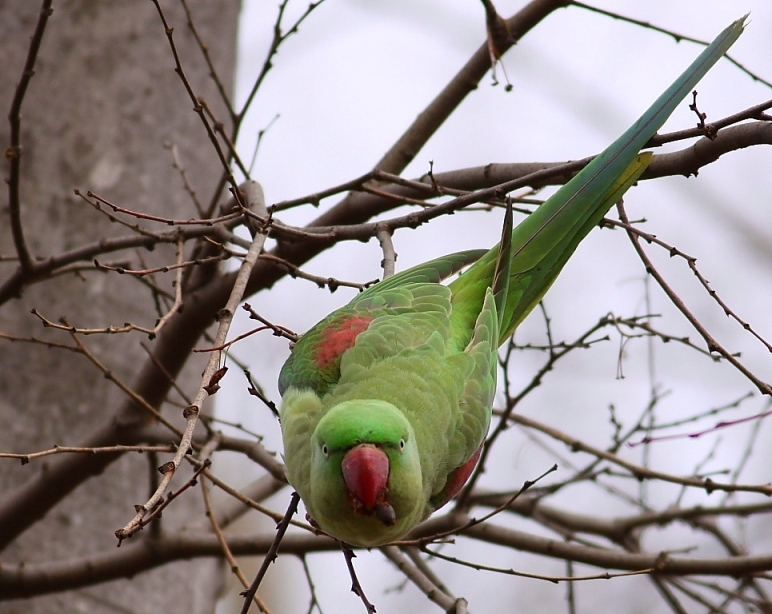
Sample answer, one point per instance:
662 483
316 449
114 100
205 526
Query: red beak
366 473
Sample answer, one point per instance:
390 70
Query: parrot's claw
313 523
385 513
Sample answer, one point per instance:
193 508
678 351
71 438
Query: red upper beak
366 473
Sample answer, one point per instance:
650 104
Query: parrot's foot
314 524
385 513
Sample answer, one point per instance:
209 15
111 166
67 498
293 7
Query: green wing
315 359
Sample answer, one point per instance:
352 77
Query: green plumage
407 370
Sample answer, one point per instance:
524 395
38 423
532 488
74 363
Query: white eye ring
325 450
402 445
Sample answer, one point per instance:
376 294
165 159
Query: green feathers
387 401
544 241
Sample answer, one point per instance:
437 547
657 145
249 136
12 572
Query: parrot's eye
325 450
401 445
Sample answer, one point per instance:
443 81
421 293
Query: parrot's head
366 483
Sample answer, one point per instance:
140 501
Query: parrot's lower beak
366 473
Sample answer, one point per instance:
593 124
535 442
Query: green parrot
387 401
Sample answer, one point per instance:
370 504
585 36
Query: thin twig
164 220
256 391
178 166
272 553
225 317
197 107
156 511
221 89
710 341
13 152
356 587
322 282
637 471
26 458
125 388
524 574
678 37
389 255
233 565
692 263
417 577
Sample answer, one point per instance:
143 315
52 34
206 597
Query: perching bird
387 401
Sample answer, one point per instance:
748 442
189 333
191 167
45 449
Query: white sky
347 86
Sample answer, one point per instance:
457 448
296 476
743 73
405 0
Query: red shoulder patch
337 338
456 480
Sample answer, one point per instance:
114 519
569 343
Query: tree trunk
101 112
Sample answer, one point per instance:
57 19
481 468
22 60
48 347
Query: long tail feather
543 242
